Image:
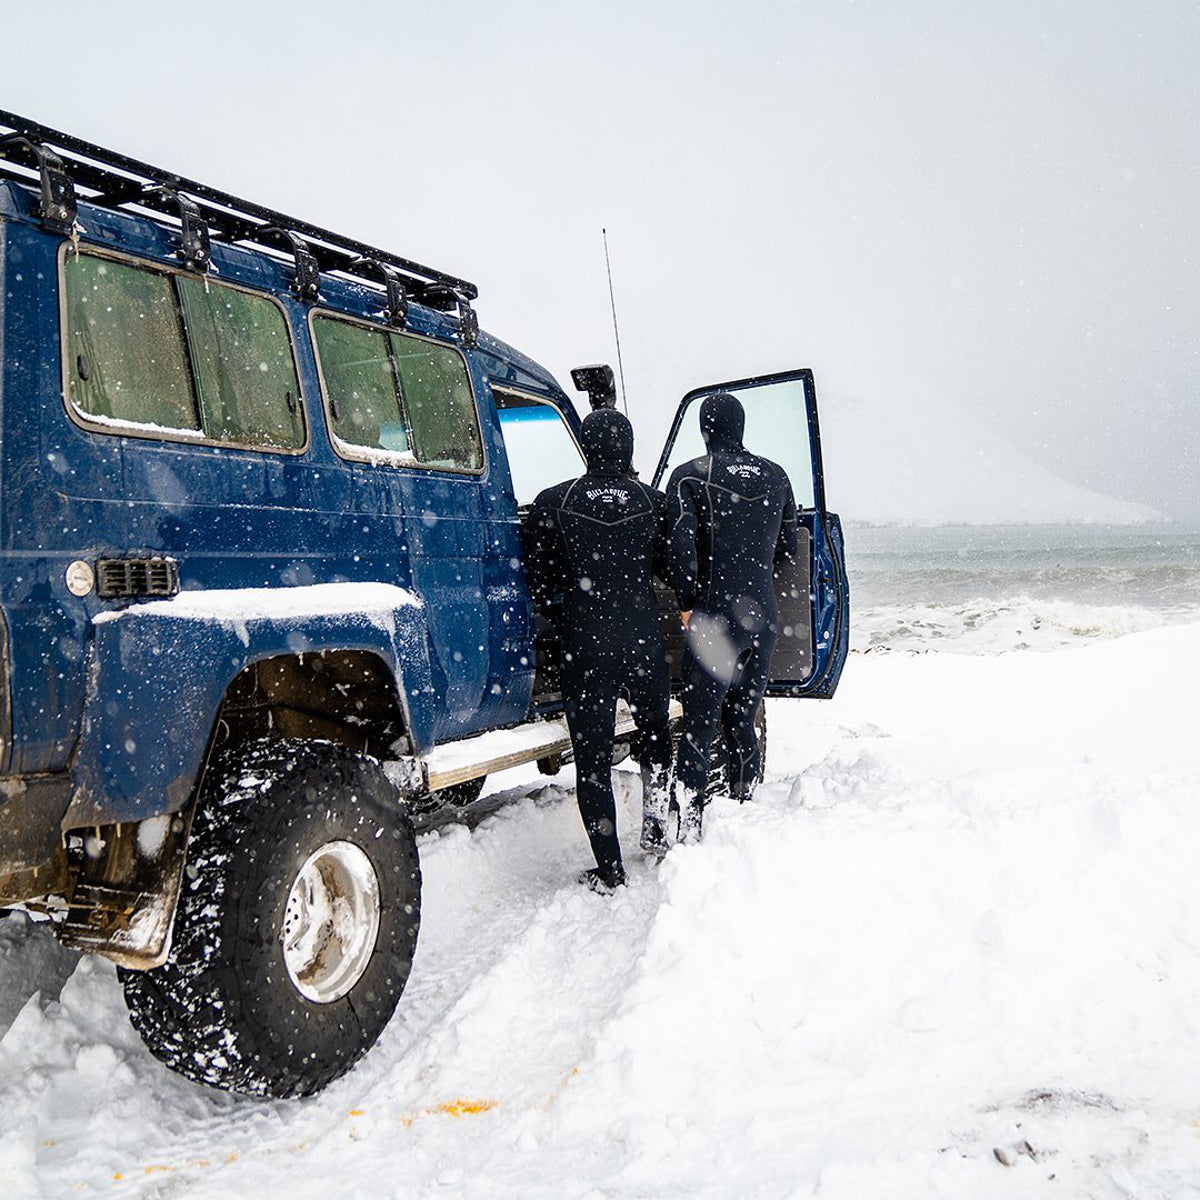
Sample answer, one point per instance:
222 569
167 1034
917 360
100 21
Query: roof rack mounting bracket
468 321
446 299
396 312
56 205
307 281
194 246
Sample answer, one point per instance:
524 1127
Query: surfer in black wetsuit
732 518
596 541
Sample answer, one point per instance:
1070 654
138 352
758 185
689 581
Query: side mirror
598 382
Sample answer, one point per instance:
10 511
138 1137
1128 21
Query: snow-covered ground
989 626
953 950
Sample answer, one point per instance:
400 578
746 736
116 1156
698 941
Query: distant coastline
852 522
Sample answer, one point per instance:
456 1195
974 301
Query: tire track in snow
503 915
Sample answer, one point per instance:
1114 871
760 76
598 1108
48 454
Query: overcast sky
993 205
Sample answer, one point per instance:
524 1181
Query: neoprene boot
691 819
603 882
656 801
742 792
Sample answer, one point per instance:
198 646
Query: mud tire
461 795
223 1009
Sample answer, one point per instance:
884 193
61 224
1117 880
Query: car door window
777 427
542 450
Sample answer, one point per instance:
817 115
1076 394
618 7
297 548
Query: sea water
985 589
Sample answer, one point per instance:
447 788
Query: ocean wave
993 626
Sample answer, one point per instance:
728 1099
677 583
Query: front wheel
296 928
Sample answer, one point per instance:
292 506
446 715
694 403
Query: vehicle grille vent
122 578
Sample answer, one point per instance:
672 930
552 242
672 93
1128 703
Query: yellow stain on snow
460 1107
170 1168
465 1108
450 1108
552 1098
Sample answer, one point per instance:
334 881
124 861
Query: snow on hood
249 604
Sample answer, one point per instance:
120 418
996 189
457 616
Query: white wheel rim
331 921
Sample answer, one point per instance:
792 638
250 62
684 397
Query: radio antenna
616 332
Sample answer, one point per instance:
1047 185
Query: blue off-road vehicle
262 600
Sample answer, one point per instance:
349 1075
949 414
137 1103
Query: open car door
812 589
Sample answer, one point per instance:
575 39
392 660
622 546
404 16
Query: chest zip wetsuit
732 518
596 541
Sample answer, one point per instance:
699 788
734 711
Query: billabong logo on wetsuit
744 469
607 494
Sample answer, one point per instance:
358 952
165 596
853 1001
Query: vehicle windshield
542 450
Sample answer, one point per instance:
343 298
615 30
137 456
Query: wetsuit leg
590 698
703 696
648 689
739 710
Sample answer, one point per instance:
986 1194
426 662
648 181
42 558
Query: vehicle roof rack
66 170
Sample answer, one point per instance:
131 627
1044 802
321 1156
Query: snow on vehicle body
260 531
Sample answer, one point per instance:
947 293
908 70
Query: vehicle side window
360 385
152 351
441 409
394 392
249 393
128 356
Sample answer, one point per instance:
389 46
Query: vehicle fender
159 671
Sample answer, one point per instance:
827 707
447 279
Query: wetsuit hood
722 421
607 441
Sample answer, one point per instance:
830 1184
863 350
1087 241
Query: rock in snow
953 950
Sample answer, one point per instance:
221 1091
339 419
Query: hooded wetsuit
732 518
596 541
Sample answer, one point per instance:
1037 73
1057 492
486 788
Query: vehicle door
812 589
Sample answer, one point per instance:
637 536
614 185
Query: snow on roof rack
66 170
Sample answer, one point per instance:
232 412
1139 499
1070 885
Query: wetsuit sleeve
786 546
544 564
683 524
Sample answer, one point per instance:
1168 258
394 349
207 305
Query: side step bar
499 749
